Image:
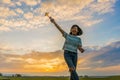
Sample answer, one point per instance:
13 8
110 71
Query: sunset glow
30 44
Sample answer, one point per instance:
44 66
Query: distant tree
18 75
81 76
1 74
86 76
13 75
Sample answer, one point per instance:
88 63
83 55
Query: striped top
71 42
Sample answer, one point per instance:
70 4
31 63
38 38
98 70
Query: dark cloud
106 56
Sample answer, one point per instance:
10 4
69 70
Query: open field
58 78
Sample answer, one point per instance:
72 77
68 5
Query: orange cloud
5 12
6 1
40 62
28 15
31 2
53 62
115 68
35 62
19 10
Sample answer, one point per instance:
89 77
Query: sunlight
44 65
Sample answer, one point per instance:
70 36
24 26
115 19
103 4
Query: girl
72 43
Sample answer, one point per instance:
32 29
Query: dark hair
80 32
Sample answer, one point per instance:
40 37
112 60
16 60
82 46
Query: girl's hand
52 20
81 49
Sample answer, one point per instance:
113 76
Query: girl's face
74 30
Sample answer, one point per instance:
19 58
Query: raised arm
56 25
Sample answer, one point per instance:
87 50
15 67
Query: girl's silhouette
72 43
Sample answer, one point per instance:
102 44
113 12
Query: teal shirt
71 42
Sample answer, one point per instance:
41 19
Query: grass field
57 78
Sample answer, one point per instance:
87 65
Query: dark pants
71 60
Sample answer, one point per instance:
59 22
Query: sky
30 44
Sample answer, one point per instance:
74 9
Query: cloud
18 10
115 68
18 3
6 48
90 23
73 10
6 12
41 62
105 59
105 56
78 10
31 2
31 14
6 1
63 9
113 41
102 6
32 22
2 28
28 15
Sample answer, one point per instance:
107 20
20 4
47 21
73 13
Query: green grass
59 78
36 78
106 78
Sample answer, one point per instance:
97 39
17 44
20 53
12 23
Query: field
58 78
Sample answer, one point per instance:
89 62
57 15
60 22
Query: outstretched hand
52 20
